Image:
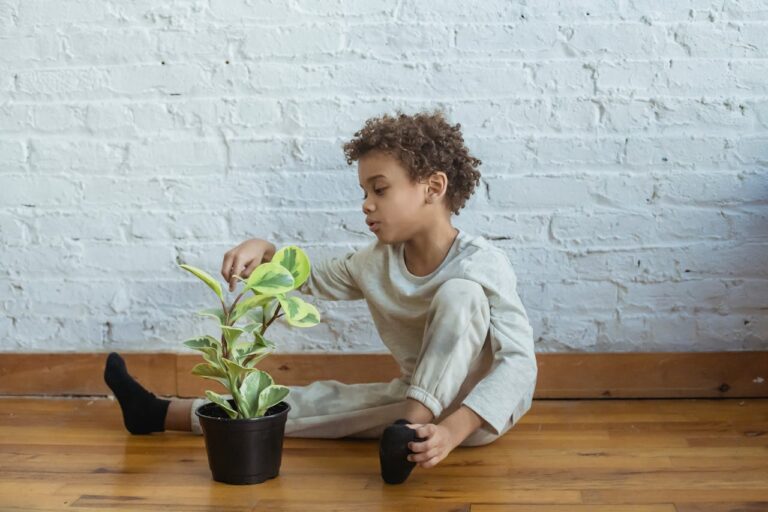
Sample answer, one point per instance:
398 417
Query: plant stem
227 312
237 299
274 317
224 347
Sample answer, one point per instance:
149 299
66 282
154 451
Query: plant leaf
257 314
216 313
271 396
237 373
254 327
202 342
231 333
222 402
251 389
248 304
270 309
208 371
208 345
270 279
292 306
260 341
261 347
300 313
296 261
240 350
210 281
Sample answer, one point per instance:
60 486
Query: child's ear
437 185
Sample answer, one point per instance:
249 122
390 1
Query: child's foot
143 412
394 451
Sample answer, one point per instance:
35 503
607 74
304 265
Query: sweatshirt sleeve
334 278
506 392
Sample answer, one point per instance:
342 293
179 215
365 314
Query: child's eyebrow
373 178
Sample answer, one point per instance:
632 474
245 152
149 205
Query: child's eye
378 191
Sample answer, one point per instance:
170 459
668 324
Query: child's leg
178 417
449 363
454 355
143 412
322 409
332 409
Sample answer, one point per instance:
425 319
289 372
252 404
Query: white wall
624 148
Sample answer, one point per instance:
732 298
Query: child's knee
459 289
460 294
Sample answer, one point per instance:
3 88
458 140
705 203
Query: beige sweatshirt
399 301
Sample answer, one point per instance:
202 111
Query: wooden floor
681 455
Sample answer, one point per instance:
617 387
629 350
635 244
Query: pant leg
456 346
456 354
333 409
457 328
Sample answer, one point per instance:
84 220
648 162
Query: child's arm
333 279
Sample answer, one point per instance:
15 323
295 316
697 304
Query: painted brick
623 147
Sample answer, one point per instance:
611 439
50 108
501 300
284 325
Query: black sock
393 452
143 412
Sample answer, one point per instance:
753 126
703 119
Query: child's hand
241 260
438 444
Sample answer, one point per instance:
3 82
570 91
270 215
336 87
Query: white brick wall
624 147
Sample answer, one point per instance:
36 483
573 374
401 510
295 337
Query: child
443 301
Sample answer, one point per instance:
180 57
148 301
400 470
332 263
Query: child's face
391 199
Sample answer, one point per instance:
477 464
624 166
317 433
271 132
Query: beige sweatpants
454 356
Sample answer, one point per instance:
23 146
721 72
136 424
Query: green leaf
202 342
210 281
270 310
236 372
271 396
296 261
300 313
208 345
311 318
248 304
222 402
208 371
251 389
260 341
261 355
214 313
257 314
231 333
260 347
292 306
243 349
254 327
270 279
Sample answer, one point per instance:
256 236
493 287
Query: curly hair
424 143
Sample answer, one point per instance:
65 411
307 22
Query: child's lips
373 226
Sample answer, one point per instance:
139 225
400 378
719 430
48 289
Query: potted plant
244 434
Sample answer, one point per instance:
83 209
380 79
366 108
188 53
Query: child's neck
424 253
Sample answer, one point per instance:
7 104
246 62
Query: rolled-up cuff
429 401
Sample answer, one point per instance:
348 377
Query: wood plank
561 375
627 462
664 374
81 374
512 507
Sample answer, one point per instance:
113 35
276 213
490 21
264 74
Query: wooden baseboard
561 375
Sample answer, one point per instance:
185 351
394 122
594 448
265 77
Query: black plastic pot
244 451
